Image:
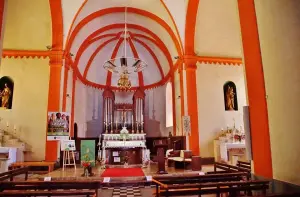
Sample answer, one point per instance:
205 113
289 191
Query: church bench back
230 168
51 185
48 193
9 175
214 188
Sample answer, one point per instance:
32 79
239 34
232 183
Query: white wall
279 34
156 112
30 101
211 111
177 104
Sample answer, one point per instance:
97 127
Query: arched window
169 105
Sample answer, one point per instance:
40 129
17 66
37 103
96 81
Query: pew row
9 175
51 188
232 188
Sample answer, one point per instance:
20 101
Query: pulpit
161 147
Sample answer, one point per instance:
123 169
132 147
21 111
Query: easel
68 155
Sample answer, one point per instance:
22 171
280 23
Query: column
54 98
191 92
256 89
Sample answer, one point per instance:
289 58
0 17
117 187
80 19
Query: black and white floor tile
127 192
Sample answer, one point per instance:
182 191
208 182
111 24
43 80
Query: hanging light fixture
124 66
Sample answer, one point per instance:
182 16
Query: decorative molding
55 56
230 61
8 53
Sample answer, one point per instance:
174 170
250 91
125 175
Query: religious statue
5 95
230 97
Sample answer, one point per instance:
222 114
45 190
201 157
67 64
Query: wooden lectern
161 158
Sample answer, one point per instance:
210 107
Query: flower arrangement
87 163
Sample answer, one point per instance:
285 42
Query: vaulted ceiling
96 35
93 34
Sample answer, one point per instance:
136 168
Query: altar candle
15 127
7 124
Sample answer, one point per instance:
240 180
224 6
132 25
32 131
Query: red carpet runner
122 172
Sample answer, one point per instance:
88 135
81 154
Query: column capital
56 58
190 67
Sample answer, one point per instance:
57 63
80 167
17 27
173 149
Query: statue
230 98
5 94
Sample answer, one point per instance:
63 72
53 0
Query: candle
15 127
7 124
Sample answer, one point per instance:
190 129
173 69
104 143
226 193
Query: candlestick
116 126
15 127
142 128
7 124
137 127
132 124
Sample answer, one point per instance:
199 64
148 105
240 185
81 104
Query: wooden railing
9 175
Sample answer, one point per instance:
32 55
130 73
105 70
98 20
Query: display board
58 126
67 145
87 151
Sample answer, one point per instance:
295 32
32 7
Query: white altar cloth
225 146
124 144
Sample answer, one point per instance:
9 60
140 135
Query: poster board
67 145
87 151
58 126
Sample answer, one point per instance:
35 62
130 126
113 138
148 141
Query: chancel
113 97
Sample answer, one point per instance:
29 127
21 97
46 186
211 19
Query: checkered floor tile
127 192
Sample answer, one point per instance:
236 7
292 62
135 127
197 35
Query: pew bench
48 193
233 188
29 164
50 186
9 175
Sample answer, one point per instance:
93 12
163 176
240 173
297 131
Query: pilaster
192 103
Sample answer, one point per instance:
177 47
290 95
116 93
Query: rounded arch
230 96
169 105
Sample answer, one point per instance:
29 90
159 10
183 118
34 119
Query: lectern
161 158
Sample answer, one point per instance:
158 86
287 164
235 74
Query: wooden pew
244 164
12 173
49 164
53 188
195 178
233 188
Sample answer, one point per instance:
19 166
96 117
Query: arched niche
6 92
230 96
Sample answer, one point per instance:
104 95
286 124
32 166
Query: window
169 105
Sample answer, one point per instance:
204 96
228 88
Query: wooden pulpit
161 158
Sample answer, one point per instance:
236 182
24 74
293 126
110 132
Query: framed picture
115 153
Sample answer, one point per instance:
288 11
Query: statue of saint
5 94
230 98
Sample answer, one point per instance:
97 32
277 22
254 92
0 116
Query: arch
230 96
169 105
6 92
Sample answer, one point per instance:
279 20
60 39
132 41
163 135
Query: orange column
53 98
192 104
256 90
66 76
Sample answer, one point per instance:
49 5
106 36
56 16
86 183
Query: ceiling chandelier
124 65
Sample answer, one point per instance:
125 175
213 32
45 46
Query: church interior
149 98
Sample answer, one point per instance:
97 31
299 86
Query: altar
124 139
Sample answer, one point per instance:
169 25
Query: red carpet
122 172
